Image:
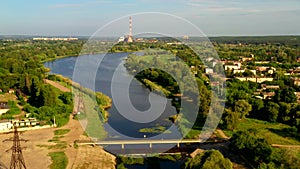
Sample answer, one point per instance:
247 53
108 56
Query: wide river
109 66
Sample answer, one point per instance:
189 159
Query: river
118 127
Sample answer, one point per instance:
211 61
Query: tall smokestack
130 26
130 39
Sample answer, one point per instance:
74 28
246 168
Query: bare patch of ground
93 158
222 134
35 157
84 156
57 85
7 96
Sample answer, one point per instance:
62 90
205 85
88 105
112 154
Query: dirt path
222 134
285 146
75 133
57 85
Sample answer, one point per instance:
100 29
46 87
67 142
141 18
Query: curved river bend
138 94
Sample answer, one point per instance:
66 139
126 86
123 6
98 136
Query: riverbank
88 124
103 101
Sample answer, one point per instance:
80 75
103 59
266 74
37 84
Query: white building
5 126
209 70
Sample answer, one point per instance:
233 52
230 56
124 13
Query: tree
35 92
66 98
230 120
207 160
46 96
286 95
257 107
254 148
242 107
271 111
219 68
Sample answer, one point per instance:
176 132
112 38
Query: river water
118 126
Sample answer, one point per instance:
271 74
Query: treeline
283 107
21 69
284 40
205 160
260 153
162 70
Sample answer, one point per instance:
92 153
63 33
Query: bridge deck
142 141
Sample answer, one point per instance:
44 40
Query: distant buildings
8 124
54 39
296 81
255 79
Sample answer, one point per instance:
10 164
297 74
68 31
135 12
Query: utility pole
17 159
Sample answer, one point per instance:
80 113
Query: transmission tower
17 160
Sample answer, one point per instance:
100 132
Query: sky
213 17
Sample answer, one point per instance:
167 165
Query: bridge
141 142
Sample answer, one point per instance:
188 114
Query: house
194 70
238 71
5 125
209 70
3 108
296 81
298 96
11 91
234 66
265 87
268 95
26 122
262 68
245 59
262 62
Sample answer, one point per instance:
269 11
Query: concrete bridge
141 142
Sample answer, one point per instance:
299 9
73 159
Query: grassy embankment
274 133
94 103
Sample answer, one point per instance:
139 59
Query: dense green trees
21 68
208 160
230 120
260 153
242 107
271 111
286 95
248 144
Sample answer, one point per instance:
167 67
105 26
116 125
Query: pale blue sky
213 17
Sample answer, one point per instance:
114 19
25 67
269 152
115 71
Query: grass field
274 133
60 160
94 127
61 131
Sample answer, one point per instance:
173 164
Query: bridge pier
122 145
150 145
178 145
